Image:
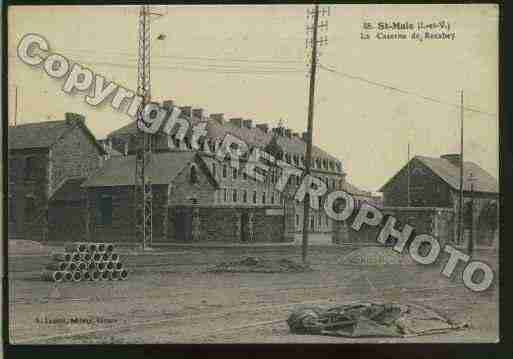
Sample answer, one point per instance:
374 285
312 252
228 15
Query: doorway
183 224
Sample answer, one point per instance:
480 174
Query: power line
210 69
407 92
201 58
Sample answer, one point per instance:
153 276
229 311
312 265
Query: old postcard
252 174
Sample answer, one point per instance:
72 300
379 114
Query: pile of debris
84 262
260 265
370 320
376 256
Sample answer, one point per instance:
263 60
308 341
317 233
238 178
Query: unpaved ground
170 299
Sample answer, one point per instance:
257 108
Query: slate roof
352 189
251 136
119 171
36 135
43 134
450 174
483 181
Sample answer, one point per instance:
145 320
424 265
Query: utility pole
460 212
313 42
15 105
470 247
143 201
408 169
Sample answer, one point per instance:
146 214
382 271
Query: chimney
72 118
186 111
247 123
453 158
237 122
197 112
219 117
288 132
263 126
304 136
168 104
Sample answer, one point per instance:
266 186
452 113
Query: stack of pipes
85 261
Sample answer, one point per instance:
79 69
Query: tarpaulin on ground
369 320
260 265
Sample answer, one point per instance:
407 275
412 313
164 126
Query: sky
250 61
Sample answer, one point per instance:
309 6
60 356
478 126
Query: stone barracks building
195 197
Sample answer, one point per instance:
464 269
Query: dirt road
169 298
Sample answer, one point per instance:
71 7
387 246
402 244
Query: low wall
438 222
224 224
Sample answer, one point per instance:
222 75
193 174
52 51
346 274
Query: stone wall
28 194
438 222
74 155
227 224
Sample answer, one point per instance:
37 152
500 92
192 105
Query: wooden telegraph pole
313 42
460 212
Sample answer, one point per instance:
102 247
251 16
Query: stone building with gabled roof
435 182
194 197
43 159
282 142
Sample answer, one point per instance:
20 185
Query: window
12 169
106 209
30 208
272 198
245 196
193 175
320 220
244 175
30 168
312 223
234 173
214 170
225 171
297 220
12 209
234 196
263 197
298 180
254 196
225 195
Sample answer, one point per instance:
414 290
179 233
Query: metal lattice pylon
143 141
